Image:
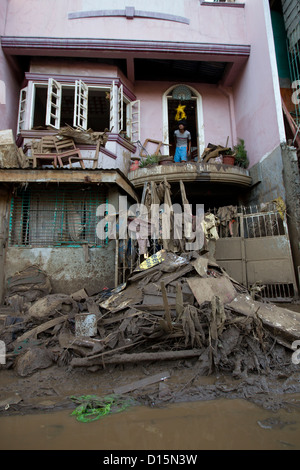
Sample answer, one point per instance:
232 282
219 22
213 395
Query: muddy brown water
221 424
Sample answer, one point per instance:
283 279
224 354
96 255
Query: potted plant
150 160
241 158
166 159
228 157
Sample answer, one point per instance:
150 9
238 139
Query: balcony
192 172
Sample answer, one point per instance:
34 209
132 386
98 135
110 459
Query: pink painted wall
257 117
50 19
9 87
215 111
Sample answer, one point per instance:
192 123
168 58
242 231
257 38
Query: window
133 121
55 105
22 109
56 217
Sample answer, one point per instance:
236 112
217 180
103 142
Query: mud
50 389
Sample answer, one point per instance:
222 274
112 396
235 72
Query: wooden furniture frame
95 159
67 152
44 152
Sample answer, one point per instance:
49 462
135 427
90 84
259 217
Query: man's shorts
180 154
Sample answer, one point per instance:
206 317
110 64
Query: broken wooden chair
44 152
67 152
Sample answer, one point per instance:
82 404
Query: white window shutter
134 121
22 109
81 105
112 117
120 109
53 104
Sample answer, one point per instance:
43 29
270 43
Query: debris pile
171 308
212 153
10 155
81 136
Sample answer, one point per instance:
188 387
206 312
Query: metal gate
256 251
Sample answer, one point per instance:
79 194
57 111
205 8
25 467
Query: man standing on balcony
182 142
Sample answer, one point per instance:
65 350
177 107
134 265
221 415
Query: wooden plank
135 357
179 300
156 299
155 307
166 305
181 272
142 383
45 326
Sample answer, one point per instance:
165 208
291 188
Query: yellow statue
180 113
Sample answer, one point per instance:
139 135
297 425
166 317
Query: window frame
116 90
21 109
131 121
81 94
51 104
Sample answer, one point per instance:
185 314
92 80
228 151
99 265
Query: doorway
190 108
191 104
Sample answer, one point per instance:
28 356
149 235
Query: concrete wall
267 177
66 267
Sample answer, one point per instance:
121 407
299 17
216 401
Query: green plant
241 157
149 160
228 152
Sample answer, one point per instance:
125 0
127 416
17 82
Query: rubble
81 136
178 308
10 155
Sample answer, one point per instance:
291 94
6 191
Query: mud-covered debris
169 309
33 360
26 287
51 306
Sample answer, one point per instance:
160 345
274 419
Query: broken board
283 322
204 289
142 383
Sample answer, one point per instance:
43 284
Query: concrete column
291 178
4 223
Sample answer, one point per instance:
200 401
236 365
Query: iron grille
266 220
55 217
294 64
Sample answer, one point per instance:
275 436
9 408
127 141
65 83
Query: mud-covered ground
50 389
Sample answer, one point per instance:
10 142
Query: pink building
131 68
